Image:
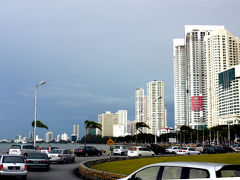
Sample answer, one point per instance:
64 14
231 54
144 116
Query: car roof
203 165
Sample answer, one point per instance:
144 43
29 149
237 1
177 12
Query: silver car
22 149
120 150
186 170
61 155
13 165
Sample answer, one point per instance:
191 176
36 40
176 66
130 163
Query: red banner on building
197 103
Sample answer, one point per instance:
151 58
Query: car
38 160
22 149
120 150
172 149
202 147
188 151
61 156
157 149
13 165
236 148
185 170
140 151
47 149
87 151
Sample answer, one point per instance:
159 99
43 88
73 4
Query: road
57 171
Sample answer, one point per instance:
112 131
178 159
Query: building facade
76 131
180 108
49 137
107 120
155 106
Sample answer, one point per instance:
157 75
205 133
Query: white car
61 155
120 150
22 149
13 165
173 149
186 170
188 151
140 151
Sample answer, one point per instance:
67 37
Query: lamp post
156 119
35 117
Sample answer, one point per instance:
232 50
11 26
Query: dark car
223 149
38 160
157 149
87 151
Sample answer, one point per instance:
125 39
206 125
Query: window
172 173
13 159
28 147
198 173
229 171
147 173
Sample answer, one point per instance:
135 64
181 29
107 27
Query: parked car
157 149
172 149
188 151
22 149
202 147
140 151
47 149
185 170
87 151
61 155
223 149
120 150
13 165
38 160
236 148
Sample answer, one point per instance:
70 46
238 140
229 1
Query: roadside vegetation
128 166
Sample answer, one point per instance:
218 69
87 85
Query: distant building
122 121
64 137
49 137
76 130
118 130
107 121
58 138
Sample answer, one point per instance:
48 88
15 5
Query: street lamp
156 119
35 118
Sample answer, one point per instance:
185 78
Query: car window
124 147
37 156
65 152
15 147
44 148
171 172
198 173
28 147
13 159
56 151
147 173
229 171
116 147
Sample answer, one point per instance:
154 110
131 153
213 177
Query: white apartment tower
196 73
221 52
180 109
49 137
155 106
76 130
141 107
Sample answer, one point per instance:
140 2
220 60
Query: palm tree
139 126
90 124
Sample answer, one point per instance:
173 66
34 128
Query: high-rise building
49 137
107 120
64 137
58 138
76 131
155 106
196 75
221 52
180 109
229 99
122 120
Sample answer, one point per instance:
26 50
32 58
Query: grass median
128 166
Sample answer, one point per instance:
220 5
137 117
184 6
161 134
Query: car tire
64 161
25 156
152 155
73 160
48 167
188 153
99 154
139 155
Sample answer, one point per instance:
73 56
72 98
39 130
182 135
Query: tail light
28 161
40 149
80 150
44 161
48 149
59 155
1 167
136 149
25 167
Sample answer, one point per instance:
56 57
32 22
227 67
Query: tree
90 124
139 126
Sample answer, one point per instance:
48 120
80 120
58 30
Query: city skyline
93 55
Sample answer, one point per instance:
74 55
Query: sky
93 54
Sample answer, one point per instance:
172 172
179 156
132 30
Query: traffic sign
110 142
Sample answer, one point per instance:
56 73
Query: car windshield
44 148
37 156
229 171
56 151
116 147
15 147
13 159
